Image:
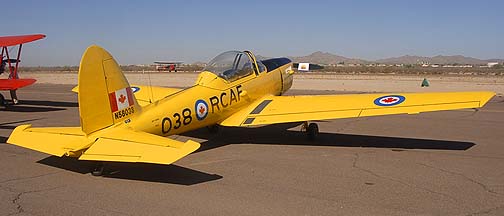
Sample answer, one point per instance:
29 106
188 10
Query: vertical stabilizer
105 97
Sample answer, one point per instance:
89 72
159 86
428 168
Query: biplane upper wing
282 109
19 39
168 62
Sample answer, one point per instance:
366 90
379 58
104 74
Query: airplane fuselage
209 101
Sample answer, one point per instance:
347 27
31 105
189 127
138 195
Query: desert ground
439 163
316 81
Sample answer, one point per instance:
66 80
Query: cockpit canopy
231 65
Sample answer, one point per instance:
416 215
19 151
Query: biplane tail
105 96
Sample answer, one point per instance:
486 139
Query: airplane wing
19 39
282 109
13 84
117 144
146 95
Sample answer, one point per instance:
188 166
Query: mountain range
329 58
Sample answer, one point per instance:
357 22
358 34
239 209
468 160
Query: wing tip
485 97
16 132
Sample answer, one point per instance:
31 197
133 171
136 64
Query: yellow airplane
127 123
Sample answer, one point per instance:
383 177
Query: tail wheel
98 169
312 131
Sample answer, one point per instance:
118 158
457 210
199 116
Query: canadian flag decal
121 99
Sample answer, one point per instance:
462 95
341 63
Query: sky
140 32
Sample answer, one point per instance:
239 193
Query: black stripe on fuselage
274 63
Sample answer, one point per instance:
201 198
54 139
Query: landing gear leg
98 169
14 97
2 100
311 130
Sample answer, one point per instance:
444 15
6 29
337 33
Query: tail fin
105 96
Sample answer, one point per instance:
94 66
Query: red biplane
167 66
10 65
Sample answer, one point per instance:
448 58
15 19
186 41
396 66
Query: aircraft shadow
171 174
3 139
267 135
50 103
279 135
26 109
9 126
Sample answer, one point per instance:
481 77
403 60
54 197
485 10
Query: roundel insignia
389 100
201 108
135 89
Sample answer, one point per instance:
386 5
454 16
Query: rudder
105 96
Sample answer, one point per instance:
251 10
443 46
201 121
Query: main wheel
312 131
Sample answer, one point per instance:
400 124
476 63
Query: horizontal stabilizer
54 141
123 145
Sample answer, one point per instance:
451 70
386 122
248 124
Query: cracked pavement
444 163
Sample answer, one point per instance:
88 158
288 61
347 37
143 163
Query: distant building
491 64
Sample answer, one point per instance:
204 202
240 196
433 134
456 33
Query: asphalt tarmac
440 163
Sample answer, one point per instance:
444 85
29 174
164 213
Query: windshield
231 65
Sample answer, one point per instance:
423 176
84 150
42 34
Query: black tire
312 131
2 101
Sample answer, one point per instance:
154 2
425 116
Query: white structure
491 64
304 67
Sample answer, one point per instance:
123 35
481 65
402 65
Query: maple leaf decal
202 110
122 98
389 100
